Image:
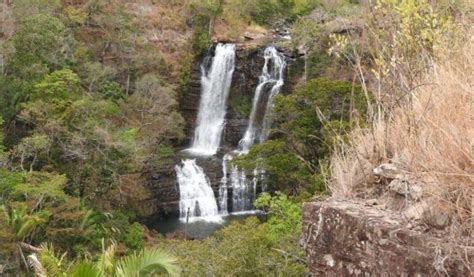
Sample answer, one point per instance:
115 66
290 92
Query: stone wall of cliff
346 238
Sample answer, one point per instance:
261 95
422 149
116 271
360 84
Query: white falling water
215 89
270 83
223 189
197 200
244 191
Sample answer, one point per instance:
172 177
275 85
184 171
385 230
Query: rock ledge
346 238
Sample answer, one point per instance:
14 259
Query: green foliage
24 8
7 236
144 263
205 12
111 90
51 262
264 11
240 103
284 216
312 118
317 63
240 249
201 37
37 185
23 224
286 172
39 43
61 85
75 16
147 262
305 112
164 154
84 269
184 79
2 146
134 237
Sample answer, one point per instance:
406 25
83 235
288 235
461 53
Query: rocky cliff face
249 63
344 238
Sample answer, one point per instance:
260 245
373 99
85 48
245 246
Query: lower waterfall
197 201
223 189
243 194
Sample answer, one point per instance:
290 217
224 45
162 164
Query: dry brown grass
431 138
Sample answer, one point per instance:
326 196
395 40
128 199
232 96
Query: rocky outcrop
344 238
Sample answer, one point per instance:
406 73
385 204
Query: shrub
134 237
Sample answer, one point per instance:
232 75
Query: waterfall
215 85
197 199
244 191
270 83
223 189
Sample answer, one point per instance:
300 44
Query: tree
305 33
152 109
39 46
284 215
61 85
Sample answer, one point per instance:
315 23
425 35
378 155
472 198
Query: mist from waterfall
197 200
215 86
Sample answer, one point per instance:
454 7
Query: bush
312 119
134 237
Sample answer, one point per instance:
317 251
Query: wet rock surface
345 238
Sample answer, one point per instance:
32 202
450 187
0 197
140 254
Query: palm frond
106 262
53 265
28 224
84 269
147 262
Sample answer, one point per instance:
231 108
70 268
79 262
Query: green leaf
147 262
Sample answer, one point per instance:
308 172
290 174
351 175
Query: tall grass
430 137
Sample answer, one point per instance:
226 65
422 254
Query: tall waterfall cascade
197 200
244 190
215 86
270 83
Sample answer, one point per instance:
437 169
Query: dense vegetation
89 100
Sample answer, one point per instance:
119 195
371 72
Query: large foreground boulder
345 238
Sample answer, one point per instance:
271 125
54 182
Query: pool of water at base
200 229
